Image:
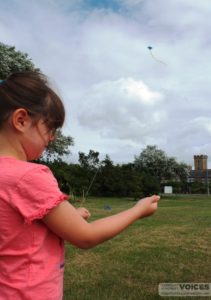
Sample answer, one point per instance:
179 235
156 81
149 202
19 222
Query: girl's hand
148 205
83 212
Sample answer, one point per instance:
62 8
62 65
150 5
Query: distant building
200 162
200 172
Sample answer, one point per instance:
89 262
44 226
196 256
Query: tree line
147 174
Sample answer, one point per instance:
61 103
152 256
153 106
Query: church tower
200 162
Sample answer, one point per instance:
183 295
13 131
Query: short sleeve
37 193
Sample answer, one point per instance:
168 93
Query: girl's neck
10 147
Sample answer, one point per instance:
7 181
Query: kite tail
155 58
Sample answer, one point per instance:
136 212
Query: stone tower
200 162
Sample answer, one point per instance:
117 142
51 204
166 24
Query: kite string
89 187
87 192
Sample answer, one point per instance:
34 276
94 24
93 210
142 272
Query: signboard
168 190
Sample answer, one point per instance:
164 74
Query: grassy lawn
174 245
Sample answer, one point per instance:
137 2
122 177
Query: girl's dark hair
30 90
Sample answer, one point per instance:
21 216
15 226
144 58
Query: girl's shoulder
14 169
12 161
30 188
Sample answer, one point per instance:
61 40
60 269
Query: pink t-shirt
31 255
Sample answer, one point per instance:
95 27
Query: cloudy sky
119 95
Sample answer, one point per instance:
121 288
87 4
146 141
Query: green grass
173 245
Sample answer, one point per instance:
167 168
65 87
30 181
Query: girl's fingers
156 198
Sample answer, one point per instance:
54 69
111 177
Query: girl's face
36 139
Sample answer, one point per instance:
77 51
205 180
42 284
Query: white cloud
140 91
122 109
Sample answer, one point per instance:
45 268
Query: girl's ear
20 119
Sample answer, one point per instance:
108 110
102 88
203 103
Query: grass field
174 245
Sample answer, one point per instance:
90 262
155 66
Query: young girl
35 216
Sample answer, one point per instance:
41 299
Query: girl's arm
65 221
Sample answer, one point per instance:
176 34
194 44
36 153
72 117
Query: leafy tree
58 148
132 181
155 162
197 187
182 170
118 180
107 178
89 161
78 182
151 185
90 164
152 161
12 61
107 162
